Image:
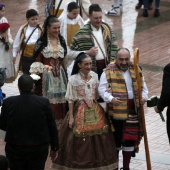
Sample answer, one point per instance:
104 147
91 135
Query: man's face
123 59
96 19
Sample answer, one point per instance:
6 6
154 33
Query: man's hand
116 101
142 101
92 52
53 155
156 109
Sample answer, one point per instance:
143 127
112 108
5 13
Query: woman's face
2 12
73 14
86 65
54 29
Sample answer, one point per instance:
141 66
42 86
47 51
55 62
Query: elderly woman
50 51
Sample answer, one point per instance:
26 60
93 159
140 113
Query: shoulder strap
29 38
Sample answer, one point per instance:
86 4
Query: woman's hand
108 90
71 122
47 67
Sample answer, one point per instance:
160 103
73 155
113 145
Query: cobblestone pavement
151 35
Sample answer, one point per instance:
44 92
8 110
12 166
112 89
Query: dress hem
60 167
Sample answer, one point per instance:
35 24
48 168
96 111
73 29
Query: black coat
165 93
28 121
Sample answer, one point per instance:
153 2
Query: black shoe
138 6
145 13
157 13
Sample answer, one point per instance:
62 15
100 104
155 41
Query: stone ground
152 37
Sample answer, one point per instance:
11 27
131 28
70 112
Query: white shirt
99 36
107 97
34 37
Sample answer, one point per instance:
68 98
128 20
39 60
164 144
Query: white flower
35 77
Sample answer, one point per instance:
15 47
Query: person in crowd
96 39
3 19
164 100
25 41
50 51
86 140
4 163
2 81
116 8
6 58
156 11
71 22
30 128
140 3
123 102
84 6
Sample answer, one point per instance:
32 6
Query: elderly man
96 39
123 102
30 128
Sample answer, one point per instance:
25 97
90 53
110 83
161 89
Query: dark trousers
168 122
26 63
141 1
100 64
26 158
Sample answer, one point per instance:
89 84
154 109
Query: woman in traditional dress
6 58
50 51
86 140
71 22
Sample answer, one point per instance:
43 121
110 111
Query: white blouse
78 89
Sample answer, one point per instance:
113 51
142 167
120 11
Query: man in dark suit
30 128
165 97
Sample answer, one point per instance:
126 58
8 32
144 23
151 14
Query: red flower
4 27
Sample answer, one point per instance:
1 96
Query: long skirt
91 148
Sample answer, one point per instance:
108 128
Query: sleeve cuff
110 98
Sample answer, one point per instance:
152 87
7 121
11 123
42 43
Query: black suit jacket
28 121
165 93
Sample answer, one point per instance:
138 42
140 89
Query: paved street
152 37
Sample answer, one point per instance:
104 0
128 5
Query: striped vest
117 83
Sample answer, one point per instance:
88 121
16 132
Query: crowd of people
85 104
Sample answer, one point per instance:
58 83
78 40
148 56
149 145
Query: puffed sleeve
71 94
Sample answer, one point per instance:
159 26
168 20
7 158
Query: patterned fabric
83 41
89 121
131 127
117 83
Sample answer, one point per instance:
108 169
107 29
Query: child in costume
71 22
25 40
6 59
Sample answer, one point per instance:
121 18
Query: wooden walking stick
136 66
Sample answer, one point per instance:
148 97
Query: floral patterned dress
90 144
